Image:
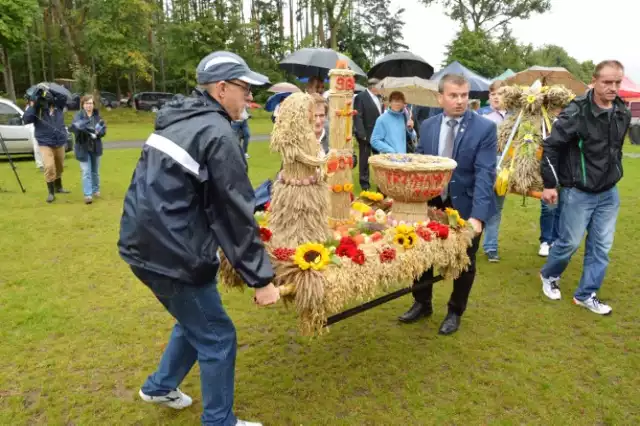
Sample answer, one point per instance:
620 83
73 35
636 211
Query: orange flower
337 188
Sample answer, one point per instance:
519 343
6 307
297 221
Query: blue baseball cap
225 66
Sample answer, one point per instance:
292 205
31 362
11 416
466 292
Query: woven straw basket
411 180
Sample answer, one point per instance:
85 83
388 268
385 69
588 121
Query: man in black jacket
369 107
189 196
583 157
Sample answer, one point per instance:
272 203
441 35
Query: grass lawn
80 334
127 124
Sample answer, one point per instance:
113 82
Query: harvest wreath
379 253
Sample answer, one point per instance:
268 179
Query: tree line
126 46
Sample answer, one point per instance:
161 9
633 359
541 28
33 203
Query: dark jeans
461 286
203 332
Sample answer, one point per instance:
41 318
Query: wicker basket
411 180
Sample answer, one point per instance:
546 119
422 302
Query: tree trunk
8 74
153 59
306 22
292 32
321 11
312 11
48 23
163 78
67 31
29 60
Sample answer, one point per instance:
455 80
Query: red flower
267 205
351 196
442 231
283 254
388 255
358 257
346 251
347 241
265 234
424 233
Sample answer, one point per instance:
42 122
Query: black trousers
462 285
364 152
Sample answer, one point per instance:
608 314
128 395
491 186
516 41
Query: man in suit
369 107
471 140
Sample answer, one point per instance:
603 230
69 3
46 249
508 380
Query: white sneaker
544 250
174 399
594 305
247 156
246 423
550 287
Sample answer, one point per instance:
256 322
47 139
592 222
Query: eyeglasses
247 89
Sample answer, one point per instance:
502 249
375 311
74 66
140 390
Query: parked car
634 129
19 137
151 101
109 100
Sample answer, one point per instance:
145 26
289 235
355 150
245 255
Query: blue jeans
203 332
596 214
549 222
492 227
242 128
90 174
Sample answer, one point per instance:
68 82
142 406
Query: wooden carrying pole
340 161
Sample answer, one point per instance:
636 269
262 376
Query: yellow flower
544 89
461 222
531 99
360 207
404 229
410 240
348 187
453 213
399 239
373 196
311 255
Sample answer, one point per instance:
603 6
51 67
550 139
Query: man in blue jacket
471 140
189 196
51 134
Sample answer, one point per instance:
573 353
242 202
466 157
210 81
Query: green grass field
127 124
80 334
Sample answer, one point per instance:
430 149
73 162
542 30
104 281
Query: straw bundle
299 204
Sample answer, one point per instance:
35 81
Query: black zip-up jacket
584 149
190 195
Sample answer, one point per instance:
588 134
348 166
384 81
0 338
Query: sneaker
247 156
594 305
246 423
550 287
174 399
544 250
96 194
88 200
493 257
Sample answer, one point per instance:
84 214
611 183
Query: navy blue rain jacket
190 195
49 127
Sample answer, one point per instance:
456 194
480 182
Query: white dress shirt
376 100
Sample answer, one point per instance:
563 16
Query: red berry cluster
283 253
388 255
265 234
349 248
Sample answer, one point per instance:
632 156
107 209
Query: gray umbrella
316 62
401 64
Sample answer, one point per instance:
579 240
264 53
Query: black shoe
51 189
417 311
59 188
493 257
450 324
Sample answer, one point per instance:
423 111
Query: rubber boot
59 188
51 189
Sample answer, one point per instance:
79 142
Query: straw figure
299 205
539 106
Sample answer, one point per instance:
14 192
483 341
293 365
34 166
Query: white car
17 136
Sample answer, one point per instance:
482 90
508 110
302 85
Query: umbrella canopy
283 87
477 82
274 100
549 76
504 75
401 64
56 89
416 90
316 62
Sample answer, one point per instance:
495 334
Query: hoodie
390 133
189 196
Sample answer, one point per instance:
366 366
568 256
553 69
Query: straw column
340 161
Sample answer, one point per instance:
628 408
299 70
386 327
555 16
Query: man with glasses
190 195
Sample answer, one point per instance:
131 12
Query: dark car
151 101
109 100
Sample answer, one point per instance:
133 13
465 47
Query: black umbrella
401 64
316 62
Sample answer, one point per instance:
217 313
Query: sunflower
400 239
410 240
311 255
404 229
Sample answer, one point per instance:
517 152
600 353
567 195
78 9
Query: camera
43 97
